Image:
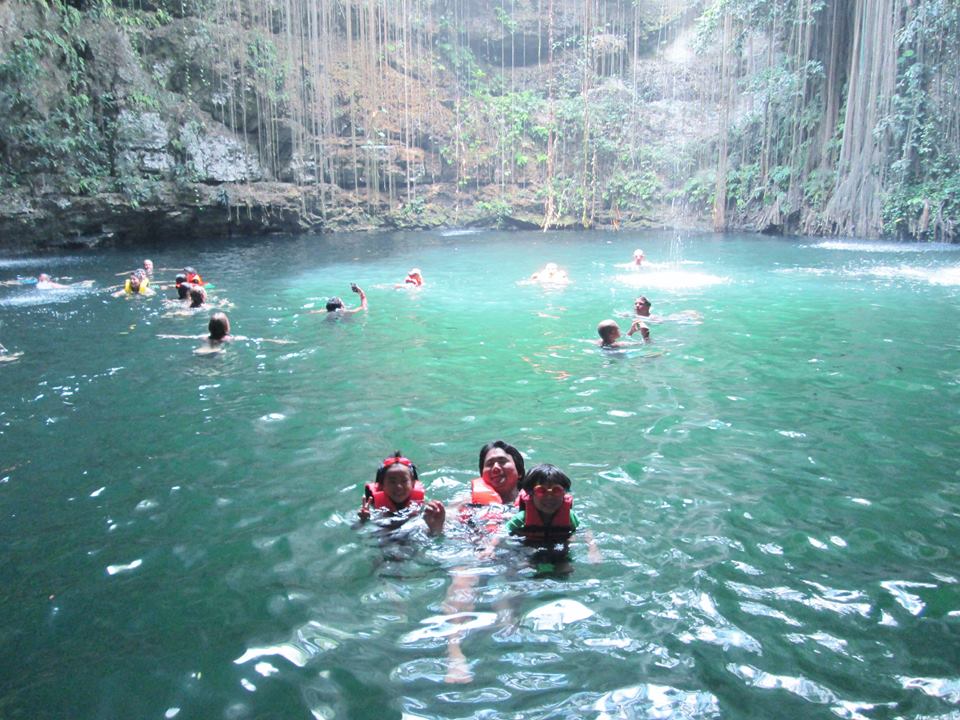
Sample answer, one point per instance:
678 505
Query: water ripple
801 686
656 701
480 696
944 688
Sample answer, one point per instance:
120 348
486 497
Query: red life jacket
194 278
414 280
382 500
559 529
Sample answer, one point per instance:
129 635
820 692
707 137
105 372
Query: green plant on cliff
49 137
633 191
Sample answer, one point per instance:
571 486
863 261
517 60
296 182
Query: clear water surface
773 487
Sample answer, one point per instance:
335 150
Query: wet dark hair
197 296
219 326
643 301
386 465
546 474
334 303
509 450
183 289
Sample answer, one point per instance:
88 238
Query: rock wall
205 119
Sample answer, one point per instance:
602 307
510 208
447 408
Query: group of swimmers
539 501
191 291
534 506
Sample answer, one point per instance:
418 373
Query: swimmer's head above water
609 332
396 476
334 304
219 326
197 296
501 467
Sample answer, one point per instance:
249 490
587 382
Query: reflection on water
771 483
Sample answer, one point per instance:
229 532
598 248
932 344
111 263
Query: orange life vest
482 494
382 500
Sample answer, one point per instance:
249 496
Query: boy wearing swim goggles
547 515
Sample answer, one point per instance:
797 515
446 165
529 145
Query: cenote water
773 488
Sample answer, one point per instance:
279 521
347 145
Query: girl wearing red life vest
397 489
547 515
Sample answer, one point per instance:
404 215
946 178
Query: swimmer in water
136 284
45 283
336 308
198 296
7 356
414 279
147 268
546 519
638 257
492 495
641 308
609 333
551 274
192 276
397 493
219 333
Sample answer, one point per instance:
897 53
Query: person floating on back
396 496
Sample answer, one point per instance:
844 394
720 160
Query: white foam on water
866 246
671 280
44 297
458 232
944 276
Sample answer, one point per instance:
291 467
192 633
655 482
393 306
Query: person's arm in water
593 552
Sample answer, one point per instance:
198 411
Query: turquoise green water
773 489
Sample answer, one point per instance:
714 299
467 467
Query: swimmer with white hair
609 333
551 274
414 279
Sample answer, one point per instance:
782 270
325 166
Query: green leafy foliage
48 133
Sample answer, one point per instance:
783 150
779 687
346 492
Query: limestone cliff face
205 117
